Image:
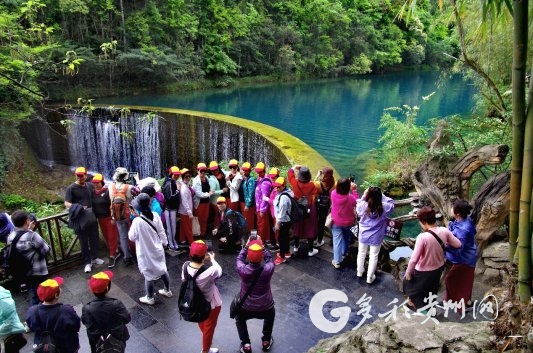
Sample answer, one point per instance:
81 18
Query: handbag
195 226
237 302
14 343
329 221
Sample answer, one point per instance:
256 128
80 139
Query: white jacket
186 203
234 186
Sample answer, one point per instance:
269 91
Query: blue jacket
465 231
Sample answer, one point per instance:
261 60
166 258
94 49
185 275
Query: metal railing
65 250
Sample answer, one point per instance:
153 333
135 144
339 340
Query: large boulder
410 336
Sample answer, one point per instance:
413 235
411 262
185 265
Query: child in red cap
105 315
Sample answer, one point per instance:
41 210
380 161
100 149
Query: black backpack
192 304
13 262
296 213
109 344
48 341
303 204
324 199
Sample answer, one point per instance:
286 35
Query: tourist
259 304
121 193
33 247
303 187
206 282
150 239
102 211
11 329
247 196
423 273
6 226
217 182
372 209
234 181
263 188
171 191
104 315
78 200
460 279
325 183
272 242
52 316
186 209
155 206
283 222
202 195
343 201
227 231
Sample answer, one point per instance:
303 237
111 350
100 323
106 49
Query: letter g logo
317 304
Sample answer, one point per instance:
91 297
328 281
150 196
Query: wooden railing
63 241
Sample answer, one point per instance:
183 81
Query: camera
352 178
33 217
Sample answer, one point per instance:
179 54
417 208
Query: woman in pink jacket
343 200
427 261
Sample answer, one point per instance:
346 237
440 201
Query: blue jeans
149 285
341 241
123 227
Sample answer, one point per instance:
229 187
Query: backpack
13 262
324 199
296 213
120 209
242 224
48 341
109 344
192 304
303 204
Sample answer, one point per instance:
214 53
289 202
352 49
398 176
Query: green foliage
16 202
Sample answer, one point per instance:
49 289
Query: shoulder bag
237 302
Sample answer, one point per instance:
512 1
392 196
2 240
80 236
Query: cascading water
145 142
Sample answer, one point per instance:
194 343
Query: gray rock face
410 336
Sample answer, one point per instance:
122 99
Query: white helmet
121 174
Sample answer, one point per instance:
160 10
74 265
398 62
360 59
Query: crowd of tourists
250 215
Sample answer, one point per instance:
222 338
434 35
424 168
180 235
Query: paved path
158 328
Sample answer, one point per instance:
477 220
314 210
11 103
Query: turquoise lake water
337 117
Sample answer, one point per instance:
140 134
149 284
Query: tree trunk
123 24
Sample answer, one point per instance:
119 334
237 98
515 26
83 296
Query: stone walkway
158 328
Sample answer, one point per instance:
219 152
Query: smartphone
209 244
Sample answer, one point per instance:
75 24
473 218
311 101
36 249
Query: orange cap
246 166
174 170
221 199
213 165
260 167
280 181
201 166
274 172
97 178
233 163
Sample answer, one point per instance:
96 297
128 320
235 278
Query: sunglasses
233 167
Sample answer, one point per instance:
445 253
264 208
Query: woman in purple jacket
343 217
373 210
259 304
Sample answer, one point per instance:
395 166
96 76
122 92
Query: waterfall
144 142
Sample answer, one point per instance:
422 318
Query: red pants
459 282
235 206
110 233
208 328
263 225
249 215
203 214
186 228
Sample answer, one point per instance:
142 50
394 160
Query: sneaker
268 344
319 243
288 255
335 264
273 247
279 260
146 300
312 252
112 262
371 280
128 262
118 255
88 268
166 292
173 249
246 348
360 274
23 288
97 261
212 350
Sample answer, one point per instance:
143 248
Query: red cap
213 165
99 282
174 170
201 166
280 181
97 178
255 251
198 248
246 166
260 167
48 289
